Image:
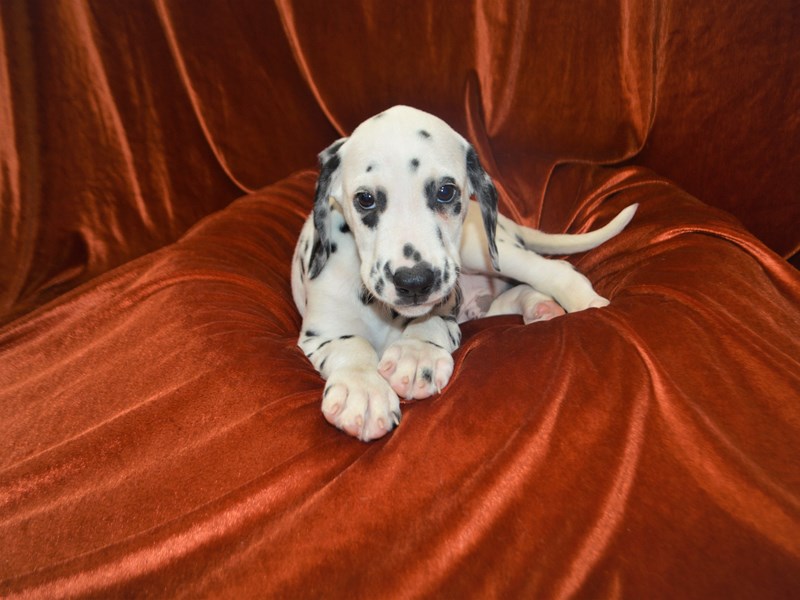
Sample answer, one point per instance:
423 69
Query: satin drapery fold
132 121
160 432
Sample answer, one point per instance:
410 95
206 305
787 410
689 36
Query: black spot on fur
432 189
487 199
311 333
344 227
430 194
453 339
365 297
437 279
427 375
331 150
414 164
316 251
370 167
379 285
371 216
345 337
410 252
457 301
334 247
321 250
424 134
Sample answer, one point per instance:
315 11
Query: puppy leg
555 278
526 301
356 398
339 334
420 363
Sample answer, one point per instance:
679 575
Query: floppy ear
329 162
486 193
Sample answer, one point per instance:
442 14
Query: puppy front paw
416 369
361 403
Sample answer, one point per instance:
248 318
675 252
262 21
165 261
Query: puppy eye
447 193
365 200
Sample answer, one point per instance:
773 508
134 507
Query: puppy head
403 180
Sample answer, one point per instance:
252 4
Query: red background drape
160 432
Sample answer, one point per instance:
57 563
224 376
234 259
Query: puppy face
403 181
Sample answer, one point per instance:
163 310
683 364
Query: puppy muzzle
418 290
413 285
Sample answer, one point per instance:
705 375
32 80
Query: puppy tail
567 243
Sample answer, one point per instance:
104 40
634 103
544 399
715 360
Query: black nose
415 281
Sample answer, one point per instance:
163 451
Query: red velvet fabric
160 432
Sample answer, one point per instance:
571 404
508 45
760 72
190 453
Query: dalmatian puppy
396 254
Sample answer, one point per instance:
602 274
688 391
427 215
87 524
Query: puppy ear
329 162
486 193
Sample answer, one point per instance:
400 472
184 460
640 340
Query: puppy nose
414 281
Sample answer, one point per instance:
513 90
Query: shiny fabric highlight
160 432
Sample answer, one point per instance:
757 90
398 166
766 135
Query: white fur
371 341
